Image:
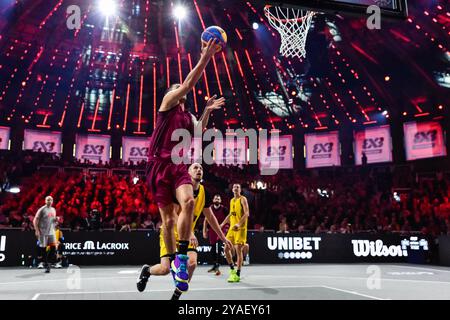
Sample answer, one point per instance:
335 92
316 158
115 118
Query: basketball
215 32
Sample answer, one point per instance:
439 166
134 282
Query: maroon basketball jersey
166 123
220 214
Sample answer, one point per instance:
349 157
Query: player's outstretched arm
211 105
225 221
171 99
212 220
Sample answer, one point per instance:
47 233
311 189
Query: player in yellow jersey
59 246
202 205
237 234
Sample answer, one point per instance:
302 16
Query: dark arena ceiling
110 74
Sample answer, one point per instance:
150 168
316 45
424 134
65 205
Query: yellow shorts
162 245
237 237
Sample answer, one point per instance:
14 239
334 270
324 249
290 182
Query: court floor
258 282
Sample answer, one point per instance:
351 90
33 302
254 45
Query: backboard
389 8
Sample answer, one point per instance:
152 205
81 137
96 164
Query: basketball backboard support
397 9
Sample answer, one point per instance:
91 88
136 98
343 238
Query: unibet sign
293 247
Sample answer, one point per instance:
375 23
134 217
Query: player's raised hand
214 104
210 48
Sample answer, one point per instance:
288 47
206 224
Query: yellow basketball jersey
200 201
58 235
236 212
199 205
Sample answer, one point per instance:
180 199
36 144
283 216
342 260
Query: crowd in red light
338 201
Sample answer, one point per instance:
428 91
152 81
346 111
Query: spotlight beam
107 7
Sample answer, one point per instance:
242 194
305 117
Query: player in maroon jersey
220 212
170 183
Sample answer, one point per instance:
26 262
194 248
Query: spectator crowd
315 202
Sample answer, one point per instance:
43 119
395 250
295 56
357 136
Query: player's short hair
217 195
48 197
195 163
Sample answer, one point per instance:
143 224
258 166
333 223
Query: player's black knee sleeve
52 254
182 247
42 254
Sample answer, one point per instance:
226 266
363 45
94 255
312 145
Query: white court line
421 268
62 279
247 277
354 292
168 290
83 279
36 296
347 278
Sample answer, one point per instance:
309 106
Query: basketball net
293 26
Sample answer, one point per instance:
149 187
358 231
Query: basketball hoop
293 26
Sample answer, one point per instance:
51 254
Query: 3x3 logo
229 153
93 149
139 152
323 147
44 146
425 136
274 151
372 143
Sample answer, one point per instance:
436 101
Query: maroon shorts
164 178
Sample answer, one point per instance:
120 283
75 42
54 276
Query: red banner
424 140
135 149
276 153
4 137
231 151
42 141
93 147
322 149
375 142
